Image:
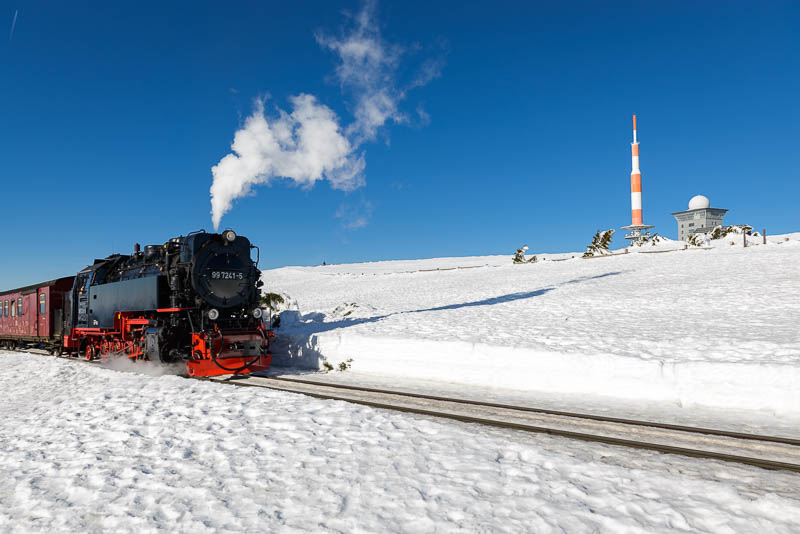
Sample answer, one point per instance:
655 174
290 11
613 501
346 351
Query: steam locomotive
194 299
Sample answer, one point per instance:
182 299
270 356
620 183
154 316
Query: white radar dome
699 202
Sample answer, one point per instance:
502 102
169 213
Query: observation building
700 217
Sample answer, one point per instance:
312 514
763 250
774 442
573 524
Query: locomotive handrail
191 323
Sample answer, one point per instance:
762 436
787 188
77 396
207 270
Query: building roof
699 209
699 202
34 287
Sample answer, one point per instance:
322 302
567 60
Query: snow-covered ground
713 328
695 336
86 449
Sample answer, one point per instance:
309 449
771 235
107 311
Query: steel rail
546 411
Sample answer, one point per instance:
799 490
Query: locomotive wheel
89 352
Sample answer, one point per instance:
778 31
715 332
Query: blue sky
113 115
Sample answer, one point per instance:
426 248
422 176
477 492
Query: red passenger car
34 314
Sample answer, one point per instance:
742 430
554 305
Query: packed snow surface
713 326
86 449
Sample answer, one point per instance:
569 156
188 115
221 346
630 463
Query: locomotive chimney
136 248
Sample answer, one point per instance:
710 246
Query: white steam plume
367 69
305 145
309 144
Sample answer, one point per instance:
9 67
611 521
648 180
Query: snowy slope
85 449
697 327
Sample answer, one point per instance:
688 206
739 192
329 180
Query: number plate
227 275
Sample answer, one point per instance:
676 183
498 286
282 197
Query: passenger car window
41 304
19 306
13 309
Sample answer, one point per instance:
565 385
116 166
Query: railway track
768 452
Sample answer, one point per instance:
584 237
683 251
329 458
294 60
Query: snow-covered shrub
343 366
600 243
720 232
700 239
696 240
519 257
352 310
344 310
653 240
272 301
278 304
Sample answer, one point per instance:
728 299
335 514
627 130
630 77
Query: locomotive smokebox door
152 344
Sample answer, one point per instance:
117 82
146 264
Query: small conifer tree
593 246
272 301
605 239
519 256
600 243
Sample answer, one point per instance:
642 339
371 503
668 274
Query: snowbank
774 387
698 327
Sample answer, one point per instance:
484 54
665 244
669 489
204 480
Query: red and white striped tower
636 181
636 227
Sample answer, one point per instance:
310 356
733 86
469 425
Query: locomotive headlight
229 235
213 314
257 313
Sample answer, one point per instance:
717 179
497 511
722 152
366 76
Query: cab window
42 303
